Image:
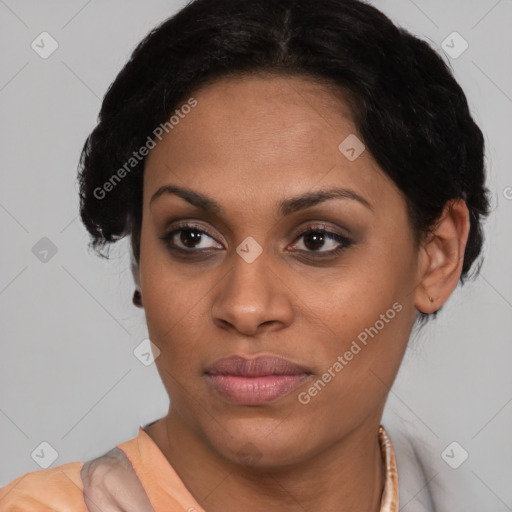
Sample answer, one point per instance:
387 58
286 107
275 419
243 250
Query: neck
346 476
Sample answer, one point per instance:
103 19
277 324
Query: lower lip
255 390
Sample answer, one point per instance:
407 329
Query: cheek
352 297
364 315
358 369
166 296
177 318
176 301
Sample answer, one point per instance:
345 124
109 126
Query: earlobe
137 298
442 257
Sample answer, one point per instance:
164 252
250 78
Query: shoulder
61 488
46 490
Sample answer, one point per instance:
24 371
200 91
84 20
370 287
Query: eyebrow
286 207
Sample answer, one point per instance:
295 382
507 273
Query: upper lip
255 367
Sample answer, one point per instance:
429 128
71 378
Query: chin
261 442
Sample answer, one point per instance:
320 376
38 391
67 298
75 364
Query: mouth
255 381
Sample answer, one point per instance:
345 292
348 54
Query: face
265 265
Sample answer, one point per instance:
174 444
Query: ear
442 256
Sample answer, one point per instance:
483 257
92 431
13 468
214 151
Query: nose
252 298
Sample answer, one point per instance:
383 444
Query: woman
302 182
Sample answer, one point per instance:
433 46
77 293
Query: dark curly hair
411 113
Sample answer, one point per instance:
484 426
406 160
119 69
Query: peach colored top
61 489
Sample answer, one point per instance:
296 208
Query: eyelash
343 240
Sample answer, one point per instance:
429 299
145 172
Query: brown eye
316 239
189 238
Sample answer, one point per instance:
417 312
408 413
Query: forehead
263 136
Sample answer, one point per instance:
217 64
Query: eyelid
198 218
343 241
322 226
187 223
171 231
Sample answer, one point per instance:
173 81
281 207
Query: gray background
68 375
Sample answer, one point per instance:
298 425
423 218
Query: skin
248 144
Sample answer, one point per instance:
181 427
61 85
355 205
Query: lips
257 367
257 380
